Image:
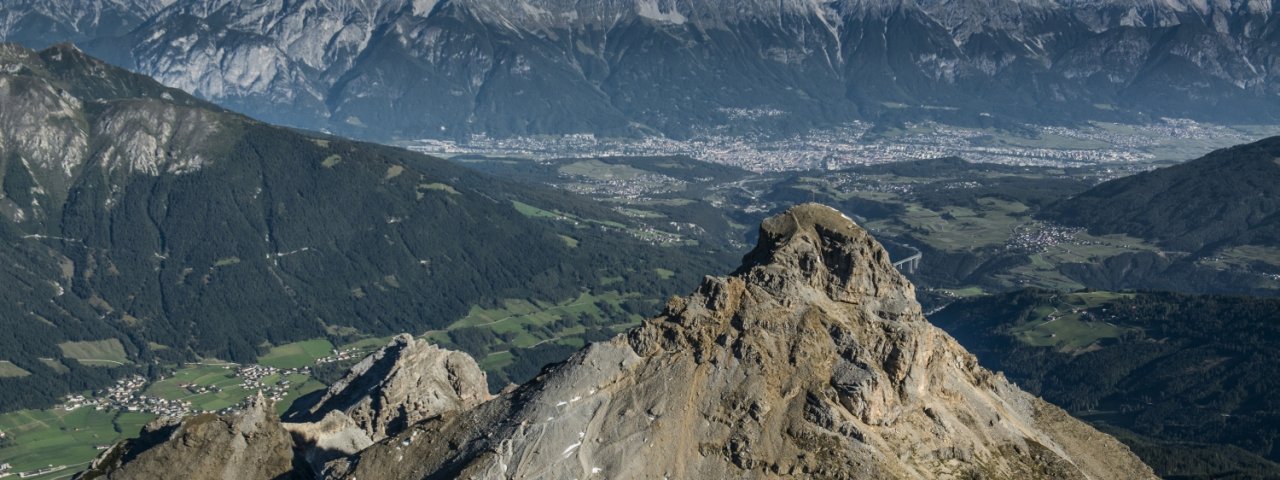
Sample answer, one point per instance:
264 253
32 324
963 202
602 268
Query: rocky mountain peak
820 247
403 383
248 444
811 360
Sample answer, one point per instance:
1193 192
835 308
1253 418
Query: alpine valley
141 226
572 239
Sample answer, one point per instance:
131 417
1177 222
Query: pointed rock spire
811 360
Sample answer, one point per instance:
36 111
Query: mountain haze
387 69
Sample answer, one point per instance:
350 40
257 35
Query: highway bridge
909 264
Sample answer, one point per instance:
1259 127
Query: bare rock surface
401 384
813 360
247 445
405 382
334 436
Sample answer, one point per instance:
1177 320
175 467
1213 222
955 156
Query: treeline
46 385
1192 369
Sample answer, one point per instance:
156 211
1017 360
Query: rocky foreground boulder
405 382
401 384
248 444
813 360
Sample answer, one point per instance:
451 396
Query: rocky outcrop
401 384
813 360
62 111
406 382
249 444
335 436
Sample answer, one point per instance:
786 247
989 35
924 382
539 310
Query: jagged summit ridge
810 361
250 444
832 253
403 383
401 69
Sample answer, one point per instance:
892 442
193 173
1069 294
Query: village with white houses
212 384
127 394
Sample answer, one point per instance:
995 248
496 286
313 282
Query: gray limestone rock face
813 360
247 445
405 382
335 436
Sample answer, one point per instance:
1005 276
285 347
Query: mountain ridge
397 69
813 360
1226 198
136 213
1172 363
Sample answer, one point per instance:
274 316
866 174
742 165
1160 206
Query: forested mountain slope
157 225
1189 381
1228 197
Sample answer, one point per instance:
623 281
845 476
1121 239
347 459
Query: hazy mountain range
388 69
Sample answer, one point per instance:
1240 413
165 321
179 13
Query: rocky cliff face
405 382
50 118
249 444
401 384
40 23
812 360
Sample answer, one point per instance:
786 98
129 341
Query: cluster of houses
342 355
6 470
42 471
1038 237
124 396
252 377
